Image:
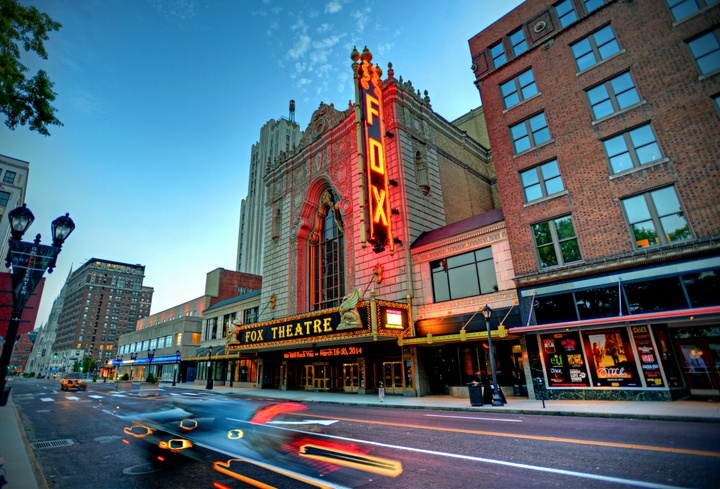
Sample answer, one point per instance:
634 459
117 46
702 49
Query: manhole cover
53 444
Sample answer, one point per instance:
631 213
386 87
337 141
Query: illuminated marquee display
374 199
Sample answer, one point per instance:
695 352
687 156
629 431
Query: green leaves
22 100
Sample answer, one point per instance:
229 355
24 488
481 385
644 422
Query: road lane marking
72 398
327 422
629 446
95 396
47 399
475 418
571 473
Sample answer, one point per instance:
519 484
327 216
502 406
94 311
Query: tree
23 100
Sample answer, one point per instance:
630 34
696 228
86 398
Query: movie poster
649 362
564 359
611 359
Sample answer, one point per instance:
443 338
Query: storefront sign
298 329
610 354
374 199
564 359
345 351
649 362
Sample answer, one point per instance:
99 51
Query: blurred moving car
256 443
73 380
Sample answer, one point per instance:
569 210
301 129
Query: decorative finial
390 72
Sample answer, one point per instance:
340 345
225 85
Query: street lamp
209 384
29 261
150 355
496 399
117 367
177 360
133 357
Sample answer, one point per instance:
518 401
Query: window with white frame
614 95
556 242
520 88
682 9
706 51
541 181
632 149
530 133
656 218
596 47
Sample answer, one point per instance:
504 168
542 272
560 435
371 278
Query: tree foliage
25 100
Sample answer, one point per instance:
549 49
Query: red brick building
603 119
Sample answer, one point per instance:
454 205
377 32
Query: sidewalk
21 466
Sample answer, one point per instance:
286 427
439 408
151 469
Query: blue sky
161 101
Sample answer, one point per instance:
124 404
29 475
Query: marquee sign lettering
374 181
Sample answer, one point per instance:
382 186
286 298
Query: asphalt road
78 441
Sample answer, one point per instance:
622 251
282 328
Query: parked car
73 380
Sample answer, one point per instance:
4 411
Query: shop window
564 360
599 302
662 294
611 358
558 308
327 256
464 275
703 288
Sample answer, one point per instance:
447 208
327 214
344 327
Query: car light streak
266 414
584 475
226 468
138 431
376 465
307 421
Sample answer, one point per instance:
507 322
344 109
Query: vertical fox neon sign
374 181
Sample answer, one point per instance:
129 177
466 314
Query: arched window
327 256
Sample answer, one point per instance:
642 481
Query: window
9 177
464 275
632 149
520 88
616 94
210 329
497 53
656 218
565 13
327 256
681 9
530 133
555 242
541 181
250 316
591 5
517 42
706 50
716 102
594 48
4 198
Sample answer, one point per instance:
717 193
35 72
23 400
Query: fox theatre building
350 348
341 211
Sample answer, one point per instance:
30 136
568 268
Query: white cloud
301 46
333 7
362 17
323 28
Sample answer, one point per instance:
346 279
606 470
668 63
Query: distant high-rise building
276 136
102 300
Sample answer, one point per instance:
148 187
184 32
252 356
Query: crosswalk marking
47 399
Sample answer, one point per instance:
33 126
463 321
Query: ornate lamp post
209 384
177 360
29 261
497 400
150 355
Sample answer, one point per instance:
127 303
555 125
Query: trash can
476 395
